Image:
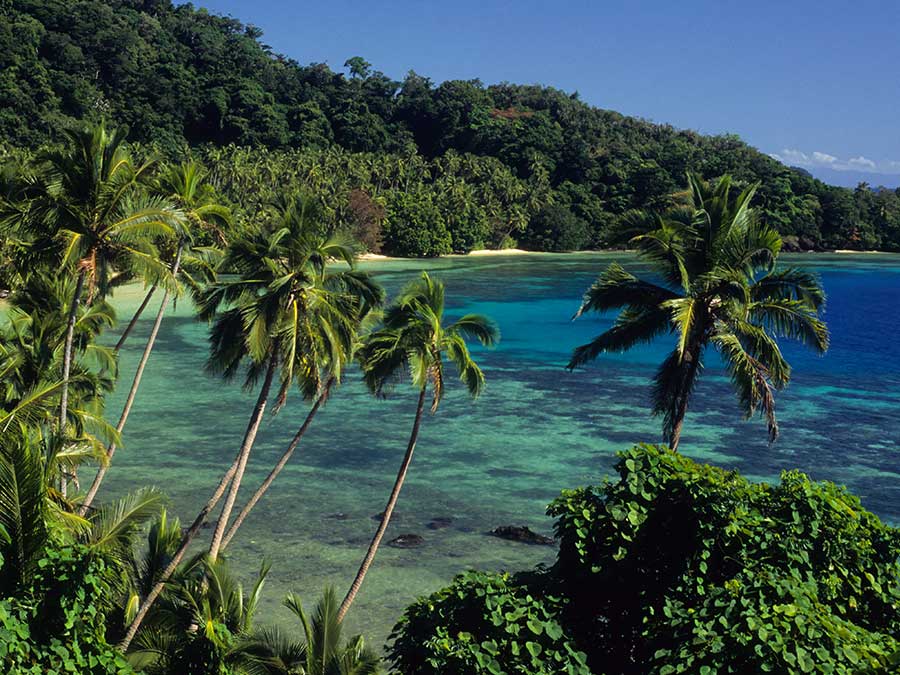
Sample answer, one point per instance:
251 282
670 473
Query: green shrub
485 623
57 625
555 228
680 567
414 226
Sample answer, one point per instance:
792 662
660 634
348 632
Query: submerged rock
406 541
379 516
523 535
440 523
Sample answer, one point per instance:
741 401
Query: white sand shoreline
489 252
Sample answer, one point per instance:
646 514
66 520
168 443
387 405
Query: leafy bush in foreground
679 567
57 625
486 623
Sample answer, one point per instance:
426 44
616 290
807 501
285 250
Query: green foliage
415 227
321 651
57 624
719 288
178 76
685 568
197 626
555 228
679 567
485 624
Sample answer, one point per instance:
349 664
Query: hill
179 77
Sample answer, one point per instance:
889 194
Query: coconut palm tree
186 187
194 630
720 288
94 211
31 345
321 651
31 342
330 378
285 314
34 514
414 340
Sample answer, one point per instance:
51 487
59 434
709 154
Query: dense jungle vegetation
421 168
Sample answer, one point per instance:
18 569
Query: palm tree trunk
186 540
261 490
676 432
684 397
389 509
135 383
243 456
134 319
67 363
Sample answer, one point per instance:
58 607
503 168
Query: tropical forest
305 370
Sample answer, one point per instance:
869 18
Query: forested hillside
418 167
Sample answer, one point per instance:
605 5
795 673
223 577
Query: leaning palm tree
285 313
187 186
720 288
183 185
269 651
414 340
99 219
329 379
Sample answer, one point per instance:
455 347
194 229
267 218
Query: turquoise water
536 430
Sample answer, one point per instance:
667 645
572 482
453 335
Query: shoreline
492 252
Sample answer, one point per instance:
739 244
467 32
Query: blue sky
814 83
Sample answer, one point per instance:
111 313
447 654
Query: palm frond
632 327
115 524
616 288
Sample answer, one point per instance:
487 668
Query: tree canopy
180 77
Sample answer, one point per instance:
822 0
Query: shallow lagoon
537 429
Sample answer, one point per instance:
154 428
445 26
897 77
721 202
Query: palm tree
321 652
414 340
93 205
185 186
286 314
721 288
31 345
330 378
34 515
195 629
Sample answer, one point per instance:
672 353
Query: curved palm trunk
273 474
676 432
67 363
135 383
684 397
389 509
243 456
134 319
186 540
